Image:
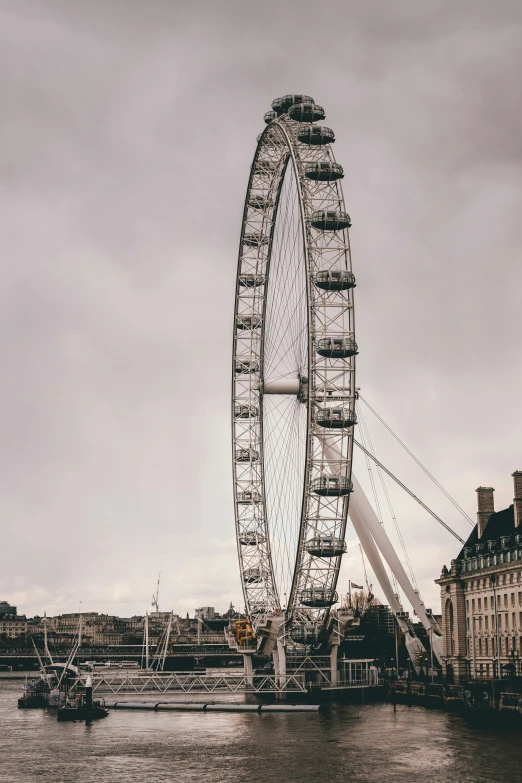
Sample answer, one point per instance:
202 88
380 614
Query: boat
35 694
81 706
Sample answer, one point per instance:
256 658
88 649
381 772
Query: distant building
205 613
384 617
6 609
481 594
12 624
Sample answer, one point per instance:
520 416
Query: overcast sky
126 135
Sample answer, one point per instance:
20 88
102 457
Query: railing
146 682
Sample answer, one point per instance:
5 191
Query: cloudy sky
126 135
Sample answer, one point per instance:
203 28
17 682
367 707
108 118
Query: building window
486 603
472 604
511 578
504 579
467 607
520 598
486 619
479 604
480 646
467 624
505 600
513 621
512 599
480 623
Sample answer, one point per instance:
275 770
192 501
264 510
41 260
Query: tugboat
35 694
82 706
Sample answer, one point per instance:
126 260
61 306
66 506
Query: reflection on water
369 744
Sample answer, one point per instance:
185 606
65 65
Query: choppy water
366 744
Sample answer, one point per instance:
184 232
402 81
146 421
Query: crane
155 598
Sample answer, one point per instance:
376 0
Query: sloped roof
500 523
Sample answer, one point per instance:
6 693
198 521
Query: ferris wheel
293 387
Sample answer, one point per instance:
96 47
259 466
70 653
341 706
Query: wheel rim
290 370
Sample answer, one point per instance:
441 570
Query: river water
352 744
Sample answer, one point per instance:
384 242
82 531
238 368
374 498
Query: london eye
293 373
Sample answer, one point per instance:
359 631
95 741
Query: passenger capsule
307 633
332 486
255 239
249 321
325 546
260 202
334 279
315 134
247 455
327 171
245 366
269 116
246 412
249 497
281 105
330 220
252 575
335 418
306 112
251 281
265 167
318 598
337 347
251 538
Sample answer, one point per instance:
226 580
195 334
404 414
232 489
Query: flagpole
350 593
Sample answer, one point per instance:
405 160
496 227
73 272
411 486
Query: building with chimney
481 593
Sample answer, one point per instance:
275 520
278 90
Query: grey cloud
127 133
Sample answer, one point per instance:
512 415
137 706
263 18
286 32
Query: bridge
139 682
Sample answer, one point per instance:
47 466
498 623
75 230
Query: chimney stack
486 506
517 500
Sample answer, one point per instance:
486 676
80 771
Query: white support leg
383 542
371 534
413 644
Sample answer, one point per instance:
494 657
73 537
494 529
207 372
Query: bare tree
361 600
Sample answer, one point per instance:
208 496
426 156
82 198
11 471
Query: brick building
481 594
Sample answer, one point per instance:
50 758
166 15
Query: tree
362 600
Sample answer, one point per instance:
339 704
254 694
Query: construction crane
155 598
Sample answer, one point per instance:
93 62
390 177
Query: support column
281 679
248 668
334 675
